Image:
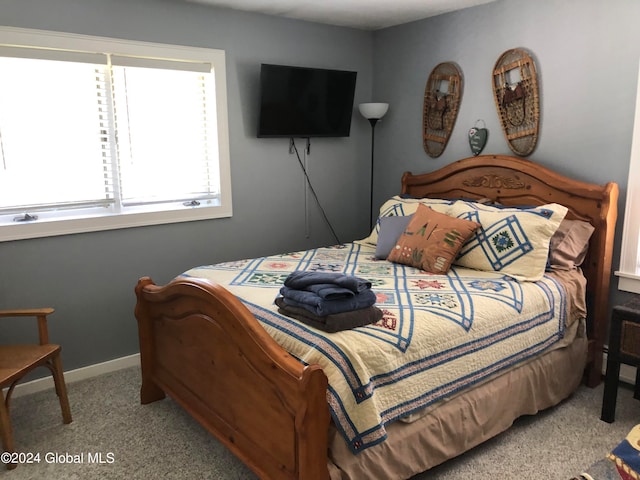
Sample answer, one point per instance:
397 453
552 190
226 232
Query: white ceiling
362 14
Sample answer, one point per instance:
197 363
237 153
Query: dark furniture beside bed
200 345
624 348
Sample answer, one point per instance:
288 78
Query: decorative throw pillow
431 240
568 246
400 206
513 241
390 230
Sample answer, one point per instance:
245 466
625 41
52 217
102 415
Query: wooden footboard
204 349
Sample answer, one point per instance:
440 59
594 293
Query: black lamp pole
373 122
372 112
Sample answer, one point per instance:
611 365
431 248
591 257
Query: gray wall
89 278
587 54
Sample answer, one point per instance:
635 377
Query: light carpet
160 440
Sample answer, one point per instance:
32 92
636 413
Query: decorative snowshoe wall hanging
442 96
515 91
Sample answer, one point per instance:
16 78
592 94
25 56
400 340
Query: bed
210 344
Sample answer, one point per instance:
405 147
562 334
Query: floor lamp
372 112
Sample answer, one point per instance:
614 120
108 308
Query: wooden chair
18 360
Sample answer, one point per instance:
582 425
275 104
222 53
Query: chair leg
61 388
5 430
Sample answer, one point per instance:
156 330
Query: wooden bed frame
203 348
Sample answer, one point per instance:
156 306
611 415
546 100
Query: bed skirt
468 419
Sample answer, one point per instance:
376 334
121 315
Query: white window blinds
166 134
82 129
53 143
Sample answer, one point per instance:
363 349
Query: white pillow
510 240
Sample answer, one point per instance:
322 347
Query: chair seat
17 360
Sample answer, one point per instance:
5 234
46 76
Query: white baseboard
78 374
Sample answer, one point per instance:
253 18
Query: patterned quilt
439 334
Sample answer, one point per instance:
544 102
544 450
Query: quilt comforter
439 334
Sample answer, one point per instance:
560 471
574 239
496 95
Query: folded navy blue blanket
330 291
321 306
300 280
331 323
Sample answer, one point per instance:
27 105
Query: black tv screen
305 102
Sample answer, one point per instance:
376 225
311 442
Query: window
629 273
98 134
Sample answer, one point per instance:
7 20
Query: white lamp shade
373 110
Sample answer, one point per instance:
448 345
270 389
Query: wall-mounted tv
305 102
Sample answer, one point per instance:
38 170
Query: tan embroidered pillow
399 206
432 240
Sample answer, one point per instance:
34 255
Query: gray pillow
390 230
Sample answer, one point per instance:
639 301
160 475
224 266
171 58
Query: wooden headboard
517 181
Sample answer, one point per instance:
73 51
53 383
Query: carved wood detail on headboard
494 181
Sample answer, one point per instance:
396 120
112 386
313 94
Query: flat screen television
305 102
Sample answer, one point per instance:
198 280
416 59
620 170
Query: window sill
67 226
628 282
